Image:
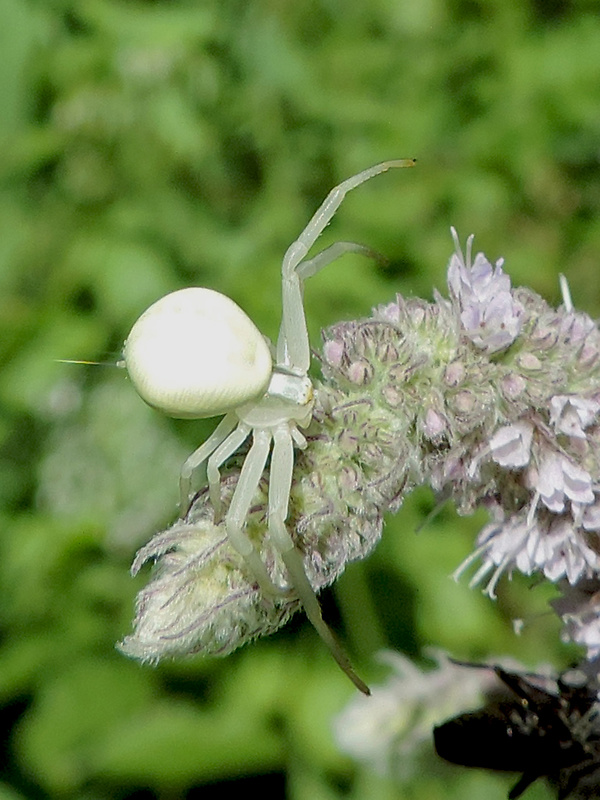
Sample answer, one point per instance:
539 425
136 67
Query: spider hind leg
310 603
282 462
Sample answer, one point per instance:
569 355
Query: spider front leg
309 267
280 483
293 348
220 436
293 325
234 441
235 519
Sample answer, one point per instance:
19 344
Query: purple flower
490 316
554 546
511 445
564 553
588 516
571 414
333 352
501 546
558 478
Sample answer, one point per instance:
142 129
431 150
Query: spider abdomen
194 353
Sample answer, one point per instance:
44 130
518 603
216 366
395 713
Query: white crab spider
195 353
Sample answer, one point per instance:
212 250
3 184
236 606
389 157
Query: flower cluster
388 729
498 717
491 397
490 316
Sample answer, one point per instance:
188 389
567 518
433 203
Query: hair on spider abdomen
543 727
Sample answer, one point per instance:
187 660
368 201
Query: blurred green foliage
150 144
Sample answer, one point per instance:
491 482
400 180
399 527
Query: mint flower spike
502 414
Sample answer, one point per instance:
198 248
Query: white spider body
196 354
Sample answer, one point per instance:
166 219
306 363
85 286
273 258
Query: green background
146 146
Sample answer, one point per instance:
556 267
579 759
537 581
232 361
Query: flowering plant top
491 397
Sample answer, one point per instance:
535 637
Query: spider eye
194 353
